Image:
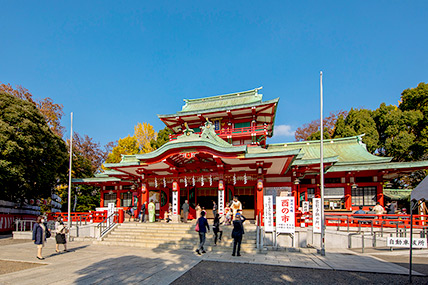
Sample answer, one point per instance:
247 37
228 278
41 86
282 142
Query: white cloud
283 131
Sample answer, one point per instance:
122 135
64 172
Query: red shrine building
219 150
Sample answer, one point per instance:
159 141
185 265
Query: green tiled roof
219 103
344 151
226 100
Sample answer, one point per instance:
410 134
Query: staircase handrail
104 226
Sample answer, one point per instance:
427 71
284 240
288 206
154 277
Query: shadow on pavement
130 269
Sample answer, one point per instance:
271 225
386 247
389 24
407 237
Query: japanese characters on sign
316 215
405 242
305 206
268 213
175 203
285 211
221 202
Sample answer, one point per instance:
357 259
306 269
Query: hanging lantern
193 180
202 181
31 201
156 183
260 184
220 184
211 181
234 179
175 186
185 181
164 182
38 202
143 188
245 178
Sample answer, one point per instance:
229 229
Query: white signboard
268 213
305 206
285 211
221 202
405 242
110 212
316 215
175 202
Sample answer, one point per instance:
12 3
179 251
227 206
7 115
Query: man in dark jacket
203 226
237 232
143 212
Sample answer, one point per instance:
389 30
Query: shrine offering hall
219 150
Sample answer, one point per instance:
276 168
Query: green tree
397 131
358 121
162 138
32 157
416 99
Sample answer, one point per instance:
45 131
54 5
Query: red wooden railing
225 132
92 216
366 220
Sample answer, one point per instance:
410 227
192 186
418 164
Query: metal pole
69 174
322 169
411 240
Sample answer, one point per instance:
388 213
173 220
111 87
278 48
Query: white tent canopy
421 191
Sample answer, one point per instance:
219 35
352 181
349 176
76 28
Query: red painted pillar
348 196
259 200
121 216
380 197
102 199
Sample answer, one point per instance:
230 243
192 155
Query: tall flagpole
69 173
322 171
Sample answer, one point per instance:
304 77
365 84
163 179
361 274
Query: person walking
237 233
152 211
143 212
214 209
203 226
185 209
216 228
60 237
39 236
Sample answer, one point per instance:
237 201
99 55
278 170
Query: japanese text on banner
285 213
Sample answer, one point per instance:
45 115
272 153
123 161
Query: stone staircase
175 236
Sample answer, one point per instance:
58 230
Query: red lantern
260 184
175 186
220 185
143 188
45 202
38 202
31 201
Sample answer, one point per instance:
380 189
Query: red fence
366 220
7 221
92 216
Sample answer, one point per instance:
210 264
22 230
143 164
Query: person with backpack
237 232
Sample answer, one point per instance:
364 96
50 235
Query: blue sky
117 63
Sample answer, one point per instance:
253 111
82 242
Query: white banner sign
110 212
405 242
268 213
305 206
285 211
316 215
221 202
175 202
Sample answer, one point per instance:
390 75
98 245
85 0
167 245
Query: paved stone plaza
87 263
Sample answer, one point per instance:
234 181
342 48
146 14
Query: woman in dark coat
39 236
237 232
